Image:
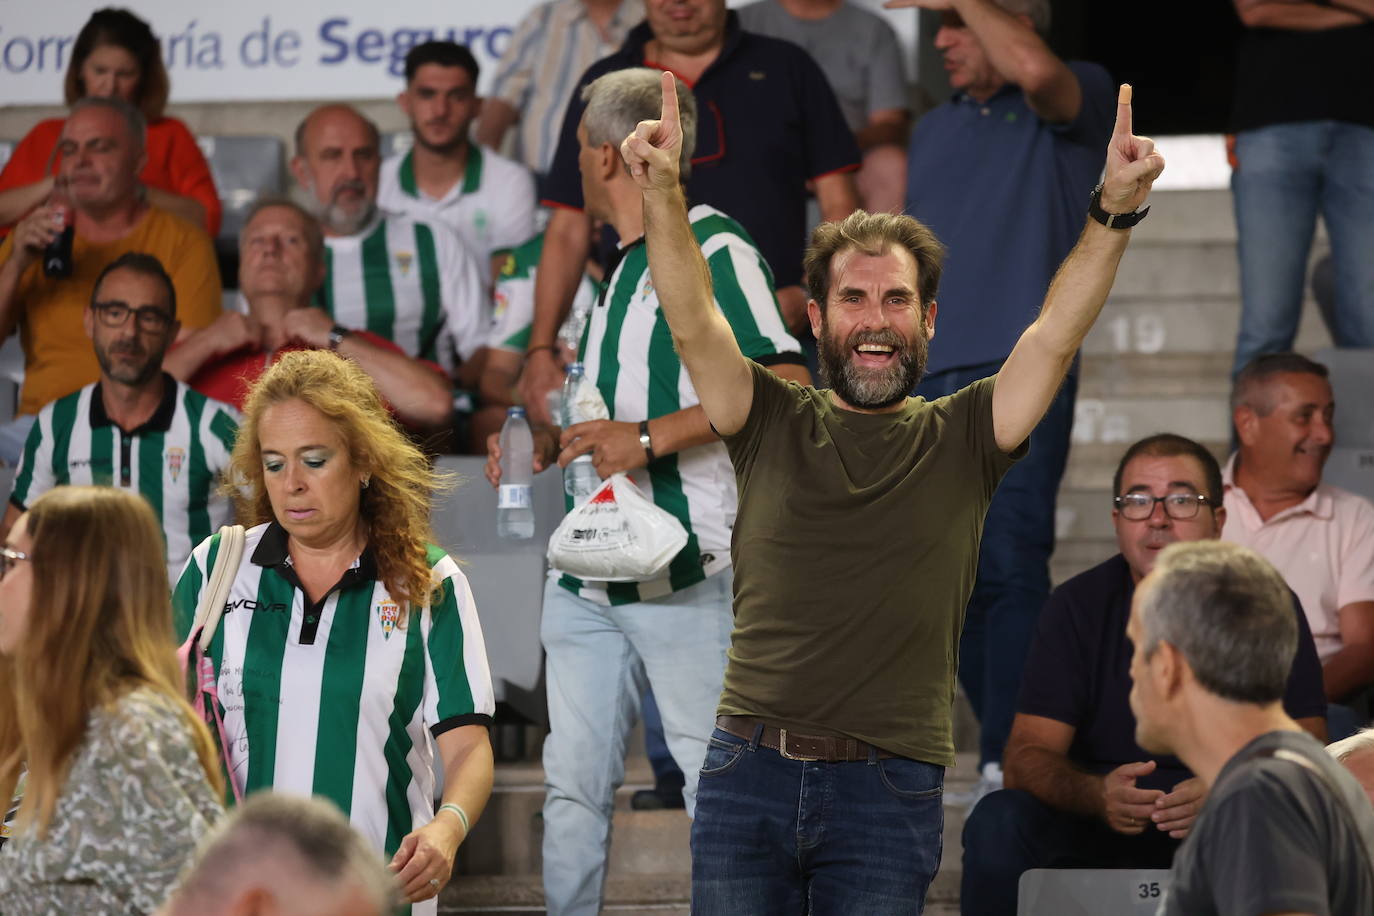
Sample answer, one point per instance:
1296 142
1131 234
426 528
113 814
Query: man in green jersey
413 283
856 542
137 428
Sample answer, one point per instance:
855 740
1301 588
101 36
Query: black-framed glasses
8 558
149 317
1137 507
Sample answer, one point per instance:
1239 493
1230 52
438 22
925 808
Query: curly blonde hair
396 504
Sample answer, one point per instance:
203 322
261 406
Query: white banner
250 50
244 50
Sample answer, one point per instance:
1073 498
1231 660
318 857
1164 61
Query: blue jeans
667 774
1286 175
1011 831
774 835
1013 563
599 661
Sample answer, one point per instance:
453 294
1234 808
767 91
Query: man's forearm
1300 17
1079 289
1347 671
419 394
567 242
1052 778
497 117
681 277
1017 52
16 202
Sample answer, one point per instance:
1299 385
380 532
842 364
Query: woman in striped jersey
122 777
349 649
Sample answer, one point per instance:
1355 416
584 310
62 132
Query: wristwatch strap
644 439
1112 220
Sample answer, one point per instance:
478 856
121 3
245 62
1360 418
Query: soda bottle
57 254
580 479
514 506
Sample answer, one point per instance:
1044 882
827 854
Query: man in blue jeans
854 546
998 174
1304 145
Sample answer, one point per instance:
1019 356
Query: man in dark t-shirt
1078 782
1284 828
856 540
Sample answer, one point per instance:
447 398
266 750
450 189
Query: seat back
507 577
245 168
1091 891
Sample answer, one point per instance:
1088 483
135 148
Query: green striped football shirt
341 698
513 297
174 461
412 283
628 351
491 207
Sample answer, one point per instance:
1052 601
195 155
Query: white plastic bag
618 535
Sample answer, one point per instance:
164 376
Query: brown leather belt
823 748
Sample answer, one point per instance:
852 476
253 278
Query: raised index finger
1123 111
670 115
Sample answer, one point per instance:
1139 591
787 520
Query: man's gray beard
340 222
870 389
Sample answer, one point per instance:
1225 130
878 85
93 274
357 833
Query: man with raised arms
855 544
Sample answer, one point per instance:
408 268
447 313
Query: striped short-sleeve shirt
491 207
174 460
410 282
343 697
628 351
513 298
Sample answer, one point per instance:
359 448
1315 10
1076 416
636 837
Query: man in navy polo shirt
769 123
1080 791
1000 173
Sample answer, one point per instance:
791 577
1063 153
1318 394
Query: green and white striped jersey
513 297
412 283
491 208
174 461
341 698
628 351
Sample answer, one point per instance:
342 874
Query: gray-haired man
603 640
1285 829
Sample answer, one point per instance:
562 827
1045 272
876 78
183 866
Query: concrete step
1188 216
1132 323
1123 420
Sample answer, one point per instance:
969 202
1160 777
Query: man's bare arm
835 195
1353 666
567 240
701 334
1042 356
1037 761
1298 16
497 117
886 126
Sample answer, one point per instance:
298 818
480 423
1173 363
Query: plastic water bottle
514 506
580 479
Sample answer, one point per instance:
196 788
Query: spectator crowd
237 674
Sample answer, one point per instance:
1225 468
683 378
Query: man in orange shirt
102 150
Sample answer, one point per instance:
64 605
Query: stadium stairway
1158 360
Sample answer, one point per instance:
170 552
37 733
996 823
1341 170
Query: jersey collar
273 552
472 173
159 422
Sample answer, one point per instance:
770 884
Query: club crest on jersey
403 261
388 614
175 456
648 288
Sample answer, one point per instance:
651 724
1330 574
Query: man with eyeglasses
1080 790
137 428
100 156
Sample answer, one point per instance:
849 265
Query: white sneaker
989 780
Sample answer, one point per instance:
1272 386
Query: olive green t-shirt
855 550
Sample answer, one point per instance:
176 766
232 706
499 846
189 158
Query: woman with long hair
117 55
349 652
120 777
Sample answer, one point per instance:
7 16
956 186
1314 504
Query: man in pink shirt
1320 537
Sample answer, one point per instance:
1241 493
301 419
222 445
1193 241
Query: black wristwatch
1112 220
337 335
644 439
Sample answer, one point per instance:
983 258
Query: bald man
413 283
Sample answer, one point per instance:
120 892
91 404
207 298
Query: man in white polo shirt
446 177
1320 537
410 282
